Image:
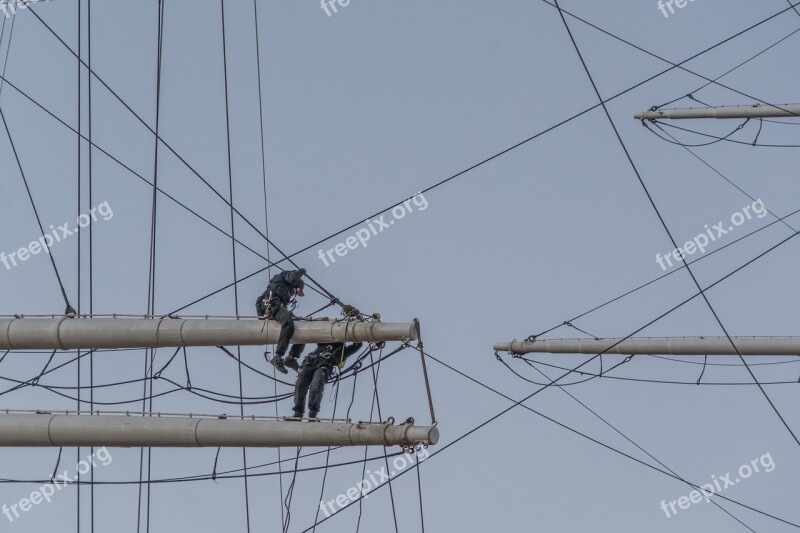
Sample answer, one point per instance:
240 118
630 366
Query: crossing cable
659 125
691 96
679 65
266 210
716 140
521 403
91 231
233 244
333 417
666 228
287 502
79 158
69 310
607 423
366 449
176 154
208 477
375 374
595 441
151 282
606 375
673 66
8 49
92 144
654 280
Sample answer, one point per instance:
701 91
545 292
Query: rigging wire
666 228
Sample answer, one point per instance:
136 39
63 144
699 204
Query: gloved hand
341 365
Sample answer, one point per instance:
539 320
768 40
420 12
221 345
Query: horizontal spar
109 333
677 346
48 430
739 111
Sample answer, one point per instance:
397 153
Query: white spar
109 333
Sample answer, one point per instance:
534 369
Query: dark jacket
282 285
330 354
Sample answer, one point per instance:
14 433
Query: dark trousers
278 312
310 380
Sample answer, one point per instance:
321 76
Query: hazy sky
363 108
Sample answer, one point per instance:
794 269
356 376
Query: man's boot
291 362
277 362
297 417
312 416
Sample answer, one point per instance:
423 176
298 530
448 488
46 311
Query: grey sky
363 109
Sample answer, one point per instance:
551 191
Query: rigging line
35 211
175 153
419 491
666 228
80 240
521 404
525 141
723 176
8 47
607 423
261 124
699 145
673 66
726 140
4 80
287 502
678 65
207 477
671 272
673 360
366 450
375 373
794 6
266 217
91 234
442 182
151 300
233 245
606 375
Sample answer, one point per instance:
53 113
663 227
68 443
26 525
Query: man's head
298 287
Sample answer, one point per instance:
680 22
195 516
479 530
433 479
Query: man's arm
353 348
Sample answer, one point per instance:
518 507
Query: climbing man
272 305
317 368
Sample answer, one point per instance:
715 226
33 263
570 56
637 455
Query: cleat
277 362
291 362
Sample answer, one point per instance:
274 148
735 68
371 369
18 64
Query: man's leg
301 389
294 353
284 318
316 391
282 315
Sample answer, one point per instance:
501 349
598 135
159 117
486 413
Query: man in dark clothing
317 368
272 305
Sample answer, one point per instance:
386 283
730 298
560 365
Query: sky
365 107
